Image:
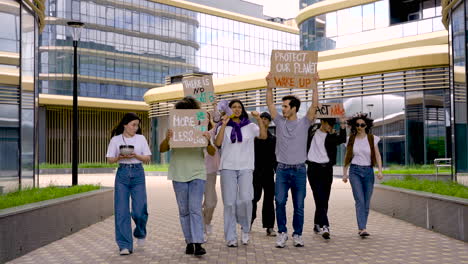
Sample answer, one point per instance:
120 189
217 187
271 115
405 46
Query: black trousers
320 179
264 180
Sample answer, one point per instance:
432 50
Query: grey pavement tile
391 240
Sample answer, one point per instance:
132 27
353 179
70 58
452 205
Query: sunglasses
361 125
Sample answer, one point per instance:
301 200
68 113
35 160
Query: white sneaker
209 229
281 240
245 238
125 251
141 242
297 241
232 243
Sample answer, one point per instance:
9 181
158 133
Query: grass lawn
148 167
415 169
32 195
439 187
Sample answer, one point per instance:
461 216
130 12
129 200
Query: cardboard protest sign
200 88
330 110
188 127
293 69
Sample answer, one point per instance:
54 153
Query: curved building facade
384 57
127 47
410 103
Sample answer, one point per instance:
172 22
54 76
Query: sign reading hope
200 88
188 127
330 110
293 69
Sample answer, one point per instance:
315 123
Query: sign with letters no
200 88
293 69
330 110
188 127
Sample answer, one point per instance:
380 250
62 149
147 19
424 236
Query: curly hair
187 102
363 116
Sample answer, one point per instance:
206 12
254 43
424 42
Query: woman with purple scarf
236 137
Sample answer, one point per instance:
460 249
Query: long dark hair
352 122
127 118
244 113
187 102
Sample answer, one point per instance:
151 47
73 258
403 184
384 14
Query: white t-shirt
317 152
239 155
361 151
138 141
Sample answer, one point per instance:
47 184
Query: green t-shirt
187 164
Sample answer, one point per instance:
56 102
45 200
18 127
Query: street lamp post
76 30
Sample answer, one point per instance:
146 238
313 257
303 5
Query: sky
279 8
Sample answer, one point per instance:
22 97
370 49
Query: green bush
439 187
32 195
415 169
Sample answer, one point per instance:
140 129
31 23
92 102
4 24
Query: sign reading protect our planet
330 110
200 88
188 127
293 69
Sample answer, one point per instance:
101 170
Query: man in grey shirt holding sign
291 154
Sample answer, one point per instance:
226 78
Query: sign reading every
200 88
293 69
188 127
330 110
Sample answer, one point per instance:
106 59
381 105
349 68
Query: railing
445 162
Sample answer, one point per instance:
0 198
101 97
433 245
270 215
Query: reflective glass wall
369 23
18 103
130 46
458 26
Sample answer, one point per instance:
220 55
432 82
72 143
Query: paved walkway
391 240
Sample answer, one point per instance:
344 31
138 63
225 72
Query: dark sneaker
190 249
199 250
271 232
326 232
364 234
317 229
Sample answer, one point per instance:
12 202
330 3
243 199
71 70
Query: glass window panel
368 17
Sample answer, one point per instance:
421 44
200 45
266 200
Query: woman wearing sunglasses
362 154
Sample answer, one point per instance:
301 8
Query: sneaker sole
326 235
299 245
280 246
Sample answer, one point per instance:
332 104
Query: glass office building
129 46
18 94
410 106
457 23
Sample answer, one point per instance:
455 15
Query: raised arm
312 109
220 136
164 146
263 129
269 98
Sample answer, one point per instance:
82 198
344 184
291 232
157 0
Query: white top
361 151
317 151
239 155
138 141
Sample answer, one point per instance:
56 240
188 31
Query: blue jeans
130 182
237 192
189 197
362 184
290 177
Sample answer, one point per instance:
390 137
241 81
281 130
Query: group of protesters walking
247 157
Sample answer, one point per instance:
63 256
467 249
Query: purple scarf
236 132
